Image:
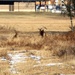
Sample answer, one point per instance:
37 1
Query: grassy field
32 21
37 53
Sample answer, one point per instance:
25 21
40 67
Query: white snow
3 59
53 64
35 57
14 59
13 69
50 64
20 58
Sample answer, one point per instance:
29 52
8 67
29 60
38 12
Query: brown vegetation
58 44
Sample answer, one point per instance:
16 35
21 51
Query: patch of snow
10 55
3 59
14 59
13 69
62 74
18 57
50 64
53 64
35 57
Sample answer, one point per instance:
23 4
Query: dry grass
54 44
28 69
3 52
26 22
4 68
58 43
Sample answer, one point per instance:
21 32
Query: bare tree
69 10
70 13
73 2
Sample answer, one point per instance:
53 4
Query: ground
28 53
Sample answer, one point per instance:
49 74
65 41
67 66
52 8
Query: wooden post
35 6
11 7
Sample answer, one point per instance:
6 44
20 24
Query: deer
42 31
16 34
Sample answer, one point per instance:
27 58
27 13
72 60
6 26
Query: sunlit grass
29 14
